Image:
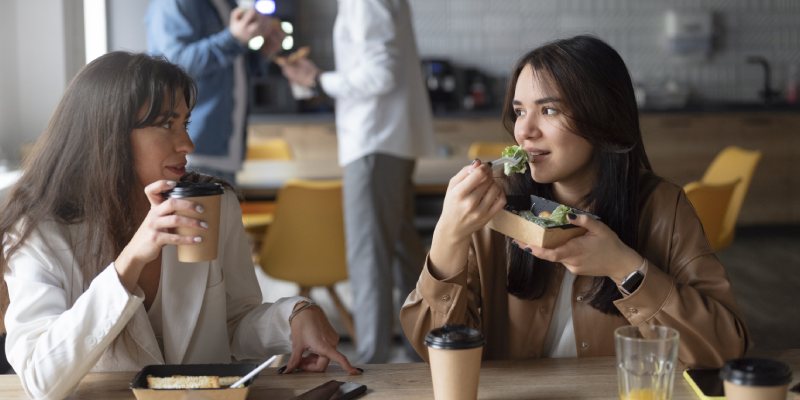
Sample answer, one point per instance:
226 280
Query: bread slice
225 381
183 382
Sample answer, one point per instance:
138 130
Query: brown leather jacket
685 287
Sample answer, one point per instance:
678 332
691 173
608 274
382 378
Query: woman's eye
519 112
549 111
167 125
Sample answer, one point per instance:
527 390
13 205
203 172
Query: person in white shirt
89 239
383 123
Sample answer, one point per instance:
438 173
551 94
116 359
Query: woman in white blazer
89 254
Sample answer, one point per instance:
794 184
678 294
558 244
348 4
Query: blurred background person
208 39
383 123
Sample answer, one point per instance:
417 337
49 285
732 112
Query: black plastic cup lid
454 337
190 189
756 372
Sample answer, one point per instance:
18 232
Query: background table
582 378
263 178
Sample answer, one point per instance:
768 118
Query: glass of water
646 358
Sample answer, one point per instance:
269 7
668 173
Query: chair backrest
305 243
486 151
732 163
269 149
711 202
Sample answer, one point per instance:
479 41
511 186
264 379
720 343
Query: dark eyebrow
540 101
548 100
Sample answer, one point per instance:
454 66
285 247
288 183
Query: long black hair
595 87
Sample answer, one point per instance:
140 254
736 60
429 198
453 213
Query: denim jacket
191 33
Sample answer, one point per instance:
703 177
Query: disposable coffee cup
208 195
455 358
755 379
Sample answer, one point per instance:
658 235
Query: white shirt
381 103
560 339
59 329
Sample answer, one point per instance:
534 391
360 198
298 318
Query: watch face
632 282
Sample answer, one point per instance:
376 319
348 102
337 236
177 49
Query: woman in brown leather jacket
571 107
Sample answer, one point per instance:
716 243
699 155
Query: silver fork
503 161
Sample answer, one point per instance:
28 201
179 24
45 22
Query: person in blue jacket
208 39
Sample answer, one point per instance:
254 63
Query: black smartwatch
631 282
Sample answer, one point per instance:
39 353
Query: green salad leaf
522 160
556 218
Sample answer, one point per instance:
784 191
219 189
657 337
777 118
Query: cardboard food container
528 232
143 392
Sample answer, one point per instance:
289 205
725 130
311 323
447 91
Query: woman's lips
179 170
534 156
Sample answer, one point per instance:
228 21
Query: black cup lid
191 189
756 372
454 337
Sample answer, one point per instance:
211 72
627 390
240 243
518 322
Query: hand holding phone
706 383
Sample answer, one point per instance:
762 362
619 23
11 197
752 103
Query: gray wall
40 46
492 34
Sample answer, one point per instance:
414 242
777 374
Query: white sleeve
256 330
372 29
51 343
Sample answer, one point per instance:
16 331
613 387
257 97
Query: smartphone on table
706 383
334 390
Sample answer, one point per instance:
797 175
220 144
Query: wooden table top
575 378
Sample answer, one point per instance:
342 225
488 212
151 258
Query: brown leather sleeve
691 293
435 302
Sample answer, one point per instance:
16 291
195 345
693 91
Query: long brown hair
81 169
595 86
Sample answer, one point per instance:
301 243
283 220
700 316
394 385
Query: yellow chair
711 202
258 215
486 151
306 244
732 164
269 149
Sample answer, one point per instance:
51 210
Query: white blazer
59 330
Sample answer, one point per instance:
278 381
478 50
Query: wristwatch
631 282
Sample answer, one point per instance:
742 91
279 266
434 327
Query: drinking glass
646 358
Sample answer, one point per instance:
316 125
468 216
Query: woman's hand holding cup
156 231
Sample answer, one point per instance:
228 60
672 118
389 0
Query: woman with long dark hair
570 106
88 239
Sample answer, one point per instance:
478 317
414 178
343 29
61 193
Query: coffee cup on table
208 195
755 379
455 353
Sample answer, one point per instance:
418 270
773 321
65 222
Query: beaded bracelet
294 313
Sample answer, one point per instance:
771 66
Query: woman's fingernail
204 224
171 183
199 208
476 161
571 216
197 239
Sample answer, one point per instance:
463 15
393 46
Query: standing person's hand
302 71
312 333
273 36
156 231
471 200
598 252
246 24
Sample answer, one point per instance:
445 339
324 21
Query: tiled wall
491 34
